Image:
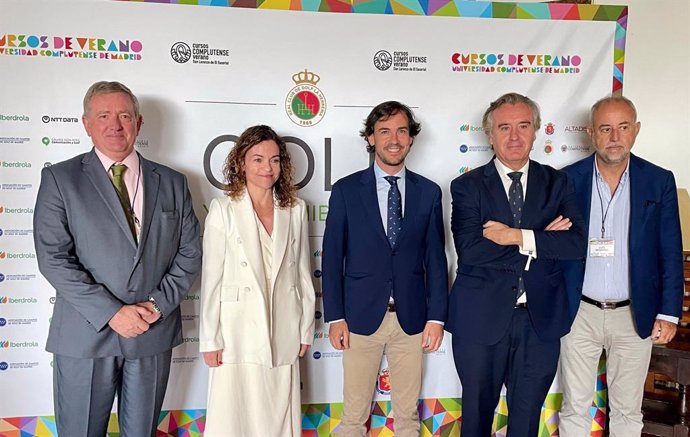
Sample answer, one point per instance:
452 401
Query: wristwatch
156 308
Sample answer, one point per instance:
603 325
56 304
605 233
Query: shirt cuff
667 318
438 322
529 246
336 321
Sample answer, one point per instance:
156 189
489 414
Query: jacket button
243 264
514 288
247 289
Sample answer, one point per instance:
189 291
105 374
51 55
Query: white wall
657 80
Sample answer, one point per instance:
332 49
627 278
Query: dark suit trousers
521 361
84 390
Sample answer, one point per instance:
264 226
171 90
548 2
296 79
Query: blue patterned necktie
515 197
517 201
394 224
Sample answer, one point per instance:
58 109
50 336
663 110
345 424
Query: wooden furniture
666 405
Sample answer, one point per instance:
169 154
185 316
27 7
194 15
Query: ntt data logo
51 119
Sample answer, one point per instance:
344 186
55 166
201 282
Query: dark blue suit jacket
483 296
656 257
359 266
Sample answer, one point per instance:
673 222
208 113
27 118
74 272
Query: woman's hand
213 358
303 350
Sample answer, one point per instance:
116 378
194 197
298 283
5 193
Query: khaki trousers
361 363
627 361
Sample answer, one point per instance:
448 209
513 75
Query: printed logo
464 148
318 315
548 147
383 60
515 63
383 382
47 141
305 103
470 128
316 355
464 169
2 278
180 52
317 252
15 164
3 255
14 140
4 344
549 129
317 273
70 47
49 119
52 300
1 232
3 299
575 148
14 117
15 187
575 129
3 322
400 61
4 210
3 365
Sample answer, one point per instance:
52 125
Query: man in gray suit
117 237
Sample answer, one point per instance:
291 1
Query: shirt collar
131 161
379 173
624 176
503 170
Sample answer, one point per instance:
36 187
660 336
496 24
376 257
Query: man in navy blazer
513 220
631 284
385 277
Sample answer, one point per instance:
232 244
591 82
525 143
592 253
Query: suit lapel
370 202
281 232
412 200
494 185
150 181
96 174
249 234
638 201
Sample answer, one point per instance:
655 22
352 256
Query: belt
606 305
391 307
521 305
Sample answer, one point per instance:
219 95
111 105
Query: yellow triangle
275 4
399 9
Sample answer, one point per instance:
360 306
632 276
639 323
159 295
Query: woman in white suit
257 297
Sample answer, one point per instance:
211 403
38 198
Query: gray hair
104 87
611 99
510 99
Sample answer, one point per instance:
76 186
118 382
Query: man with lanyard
631 284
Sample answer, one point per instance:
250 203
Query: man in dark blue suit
513 220
631 285
385 277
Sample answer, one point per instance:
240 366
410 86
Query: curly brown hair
284 189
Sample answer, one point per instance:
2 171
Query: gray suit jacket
86 251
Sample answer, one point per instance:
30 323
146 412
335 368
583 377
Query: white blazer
235 313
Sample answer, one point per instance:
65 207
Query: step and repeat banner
203 74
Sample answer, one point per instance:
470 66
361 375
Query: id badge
599 247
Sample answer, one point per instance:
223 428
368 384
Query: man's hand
339 335
560 223
663 331
152 316
432 336
213 358
502 234
303 350
129 321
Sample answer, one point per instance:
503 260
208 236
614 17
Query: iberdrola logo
305 103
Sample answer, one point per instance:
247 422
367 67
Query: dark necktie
516 201
394 224
119 183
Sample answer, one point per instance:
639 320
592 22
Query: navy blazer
360 267
656 254
483 296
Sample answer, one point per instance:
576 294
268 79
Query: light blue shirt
608 278
382 187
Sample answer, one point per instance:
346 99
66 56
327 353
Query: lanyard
605 214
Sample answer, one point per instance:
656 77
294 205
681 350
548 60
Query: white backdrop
240 73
